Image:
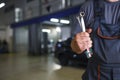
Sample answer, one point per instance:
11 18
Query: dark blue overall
105 61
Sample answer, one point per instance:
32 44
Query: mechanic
102 21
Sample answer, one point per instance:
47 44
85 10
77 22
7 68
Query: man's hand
81 42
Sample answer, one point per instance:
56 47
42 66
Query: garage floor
23 67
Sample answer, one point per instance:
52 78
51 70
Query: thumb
89 30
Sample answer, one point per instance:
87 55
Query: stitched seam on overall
98 72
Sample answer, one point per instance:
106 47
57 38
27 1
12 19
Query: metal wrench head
82 14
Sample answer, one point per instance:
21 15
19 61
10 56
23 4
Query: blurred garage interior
35 40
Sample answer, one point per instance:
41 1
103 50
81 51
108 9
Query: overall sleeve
87 8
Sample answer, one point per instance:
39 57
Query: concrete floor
22 67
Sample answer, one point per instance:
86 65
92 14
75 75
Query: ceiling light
65 21
46 30
54 20
58 29
2 5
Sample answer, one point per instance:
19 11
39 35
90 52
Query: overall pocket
106 43
109 31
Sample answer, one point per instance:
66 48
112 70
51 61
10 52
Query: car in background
67 57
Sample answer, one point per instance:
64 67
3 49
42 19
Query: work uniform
103 18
